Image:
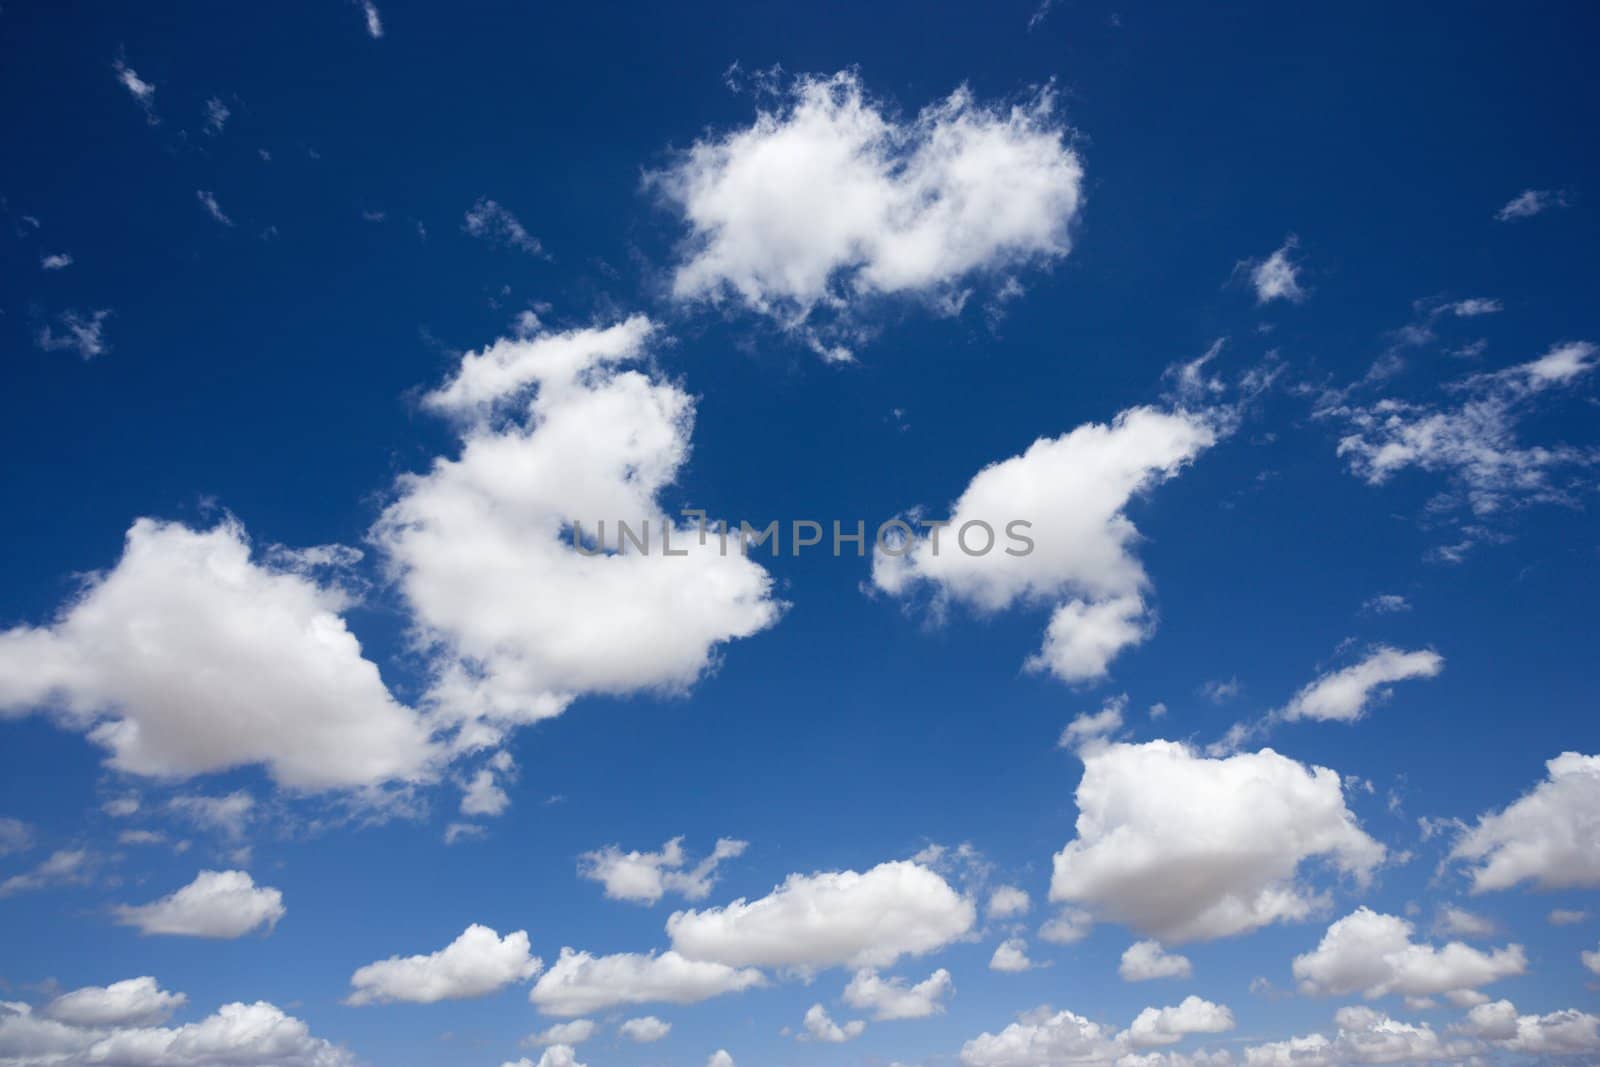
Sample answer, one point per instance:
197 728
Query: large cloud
1186 848
1372 954
1550 837
518 620
190 657
579 983
237 1035
834 918
1074 490
131 1002
477 963
830 199
217 904
1559 1033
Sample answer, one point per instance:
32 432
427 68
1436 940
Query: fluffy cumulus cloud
1146 960
1473 440
1007 902
557 429
643 877
1011 956
477 963
1168 1026
644 1029
1372 954
831 199
554 1056
575 1032
819 1026
896 998
1559 1033
238 1035
190 656
1550 837
829 919
579 983
1042 1039
131 1002
217 904
1345 695
1183 847
1074 491
1363 1036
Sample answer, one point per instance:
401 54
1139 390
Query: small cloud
216 116
58 261
374 20
488 221
1531 202
1277 277
1220 692
1385 604
76 333
208 200
142 91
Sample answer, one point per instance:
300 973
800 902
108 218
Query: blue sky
322 323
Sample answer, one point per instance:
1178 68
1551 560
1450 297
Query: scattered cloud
75 332
64 867
644 1030
1548 837
643 877
1011 957
217 904
1346 694
1147 960
1277 277
1074 490
1372 954
216 116
208 201
1007 902
477 963
56 261
889 999
143 92
488 221
131 1002
819 1026
1531 202
580 984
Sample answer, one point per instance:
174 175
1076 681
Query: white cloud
821 1027
56 261
1345 695
189 657
483 795
1185 848
1473 442
575 1032
1277 277
217 904
720 1058
15 835
1011 957
1459 922
554 1056
1560 1033
896 998
1386 604
374 20
579 983
1146 960
131 1002
1040 1039
489 221
1007 901
1550 837
143 92
829 919
481 545
1074 490
208 201
831 200
1372 954
1068 927
643 877
1591 960
1472 307
216 115
239 1035
227 815
1531 202
1094 728
78 333
1567 917
67 866
1364 1036
477 963
644 1029
1168 1026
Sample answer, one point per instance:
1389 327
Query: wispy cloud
208 200
78 333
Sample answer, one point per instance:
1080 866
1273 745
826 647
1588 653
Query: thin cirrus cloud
830 200
1074 490
221 905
